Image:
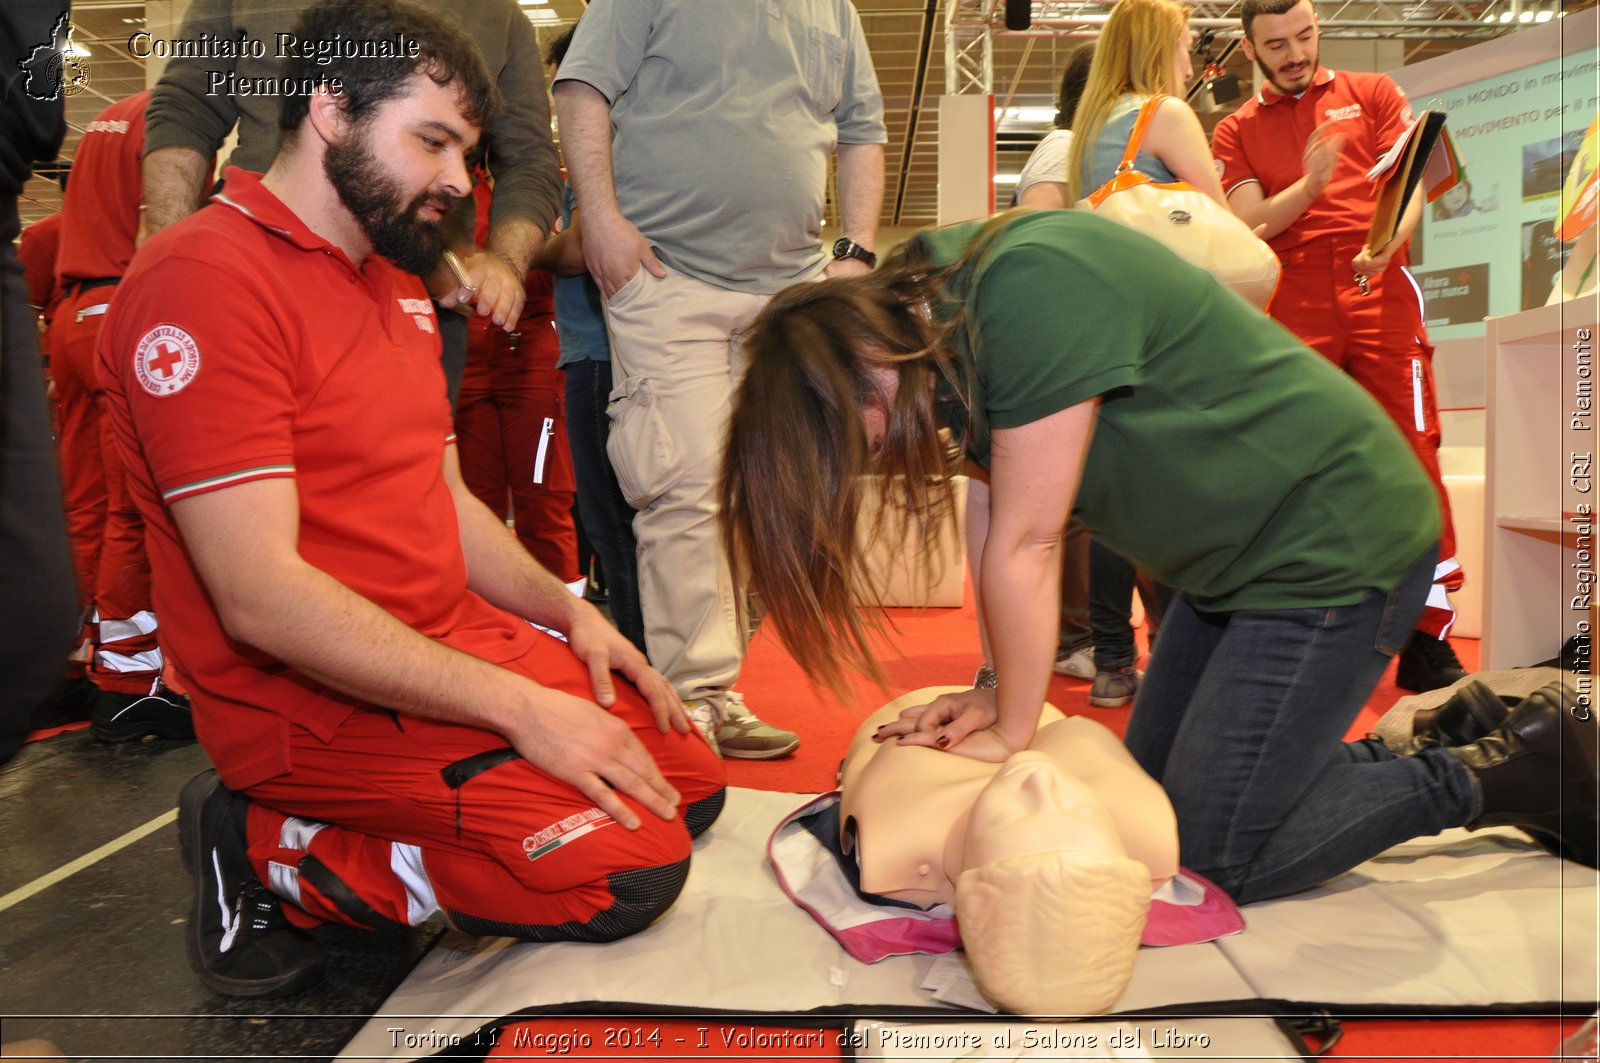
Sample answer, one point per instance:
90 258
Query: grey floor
93 959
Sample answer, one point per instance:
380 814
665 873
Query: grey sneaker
741 736
704 718
1078 663
1114 688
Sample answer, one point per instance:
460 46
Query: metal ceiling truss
972 25
969 32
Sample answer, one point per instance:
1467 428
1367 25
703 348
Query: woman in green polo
1084 370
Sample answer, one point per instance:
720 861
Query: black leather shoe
1427 663
1539 771
162 713
239 942
1472 712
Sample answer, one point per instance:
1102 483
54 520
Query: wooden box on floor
896 561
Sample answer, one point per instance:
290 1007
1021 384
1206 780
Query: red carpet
940 647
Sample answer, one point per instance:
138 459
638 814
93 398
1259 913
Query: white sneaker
1079 664
704 718
741 736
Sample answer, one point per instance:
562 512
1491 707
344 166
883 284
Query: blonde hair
1135 55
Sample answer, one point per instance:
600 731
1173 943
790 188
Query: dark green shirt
1228 459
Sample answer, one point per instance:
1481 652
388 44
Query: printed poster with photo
1491 244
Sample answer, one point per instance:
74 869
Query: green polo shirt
1228 459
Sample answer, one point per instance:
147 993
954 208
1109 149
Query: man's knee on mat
699 815
636 898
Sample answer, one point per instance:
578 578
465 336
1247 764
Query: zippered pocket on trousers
461 772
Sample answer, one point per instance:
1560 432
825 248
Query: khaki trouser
676 366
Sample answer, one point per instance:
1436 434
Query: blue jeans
607 517
1241 719
1112 579
1075 631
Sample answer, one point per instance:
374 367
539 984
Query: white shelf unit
1539 362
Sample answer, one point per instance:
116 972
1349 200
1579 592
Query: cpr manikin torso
1049 858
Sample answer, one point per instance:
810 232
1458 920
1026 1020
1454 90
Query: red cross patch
166 360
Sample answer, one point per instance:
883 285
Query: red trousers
1380 341
103 523
512 438
397 819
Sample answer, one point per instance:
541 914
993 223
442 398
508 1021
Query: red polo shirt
241 347
36 250
100 216
1264 140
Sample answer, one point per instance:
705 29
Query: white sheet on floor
1461 919
1457 921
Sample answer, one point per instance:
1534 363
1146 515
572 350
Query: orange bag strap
1141 125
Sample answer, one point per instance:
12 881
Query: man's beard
373 197
1308 73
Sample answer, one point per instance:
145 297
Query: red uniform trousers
512 439
430 818
103 523
1380 341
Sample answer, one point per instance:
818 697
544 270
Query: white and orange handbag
1188 222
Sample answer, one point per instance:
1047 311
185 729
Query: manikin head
907 806
1051 907
1281 37
1049 859
393 133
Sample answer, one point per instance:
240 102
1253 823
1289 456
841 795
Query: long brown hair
793 488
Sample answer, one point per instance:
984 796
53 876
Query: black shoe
131 717
1427 663
1539 771
239 942
1472 712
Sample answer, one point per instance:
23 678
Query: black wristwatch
844 247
